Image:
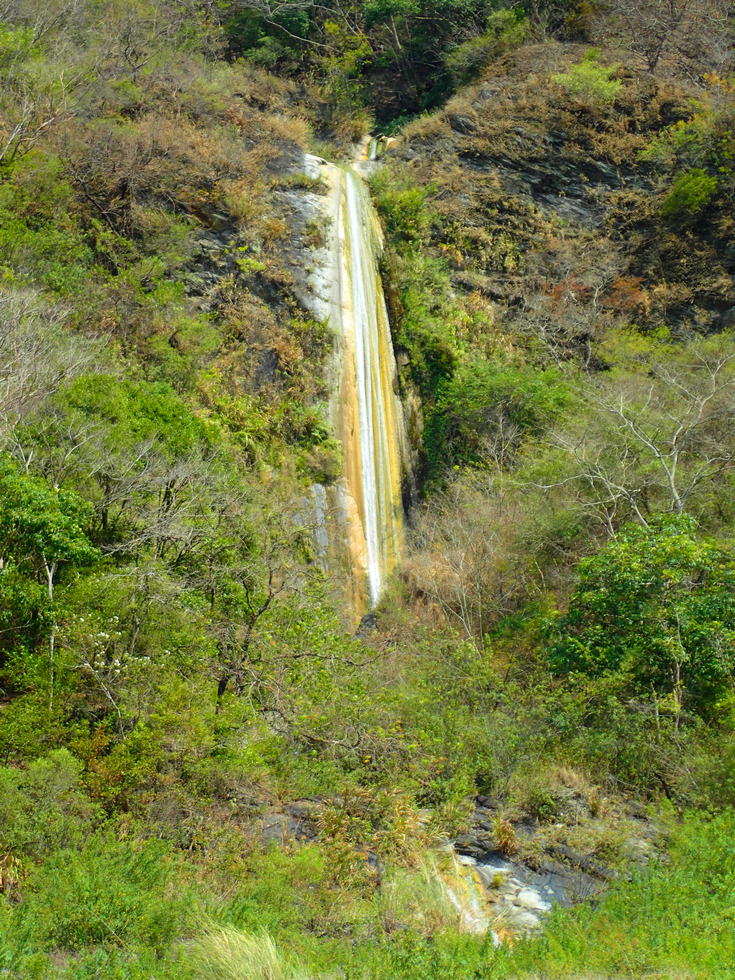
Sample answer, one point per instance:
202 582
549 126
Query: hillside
207 771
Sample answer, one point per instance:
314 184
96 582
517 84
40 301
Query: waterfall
371 373
365 516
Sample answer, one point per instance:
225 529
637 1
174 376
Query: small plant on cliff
589 81
690 193
505 836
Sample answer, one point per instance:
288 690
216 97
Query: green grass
133 908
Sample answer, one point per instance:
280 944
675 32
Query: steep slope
547 205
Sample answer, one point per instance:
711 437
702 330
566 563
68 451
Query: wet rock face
306 251
368 623
521 897
516 905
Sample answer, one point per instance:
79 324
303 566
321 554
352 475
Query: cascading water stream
360 516
372 375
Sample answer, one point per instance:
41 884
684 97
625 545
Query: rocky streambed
515 898
523 867
508 869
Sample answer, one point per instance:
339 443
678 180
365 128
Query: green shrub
690 193
39 235
405 211
589 81
281 891
44 807
593 720
485 401
426 324
537 797
109 894
657 606
505 30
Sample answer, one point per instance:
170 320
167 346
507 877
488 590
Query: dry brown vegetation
533 188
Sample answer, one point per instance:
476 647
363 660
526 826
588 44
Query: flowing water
365 513
370 439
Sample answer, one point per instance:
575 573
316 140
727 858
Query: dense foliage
395 58
656 604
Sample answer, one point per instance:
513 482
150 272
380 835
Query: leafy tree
505 30
657 604
42 530
388 54
485 410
